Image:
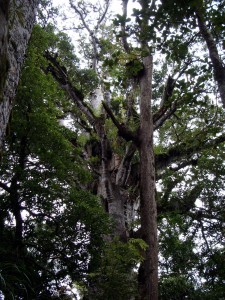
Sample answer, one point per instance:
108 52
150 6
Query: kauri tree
148 127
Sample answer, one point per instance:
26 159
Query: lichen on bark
17 18
4 39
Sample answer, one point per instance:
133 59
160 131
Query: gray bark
16 22
108 189
4 34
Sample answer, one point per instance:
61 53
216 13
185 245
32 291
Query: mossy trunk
16 22
4 40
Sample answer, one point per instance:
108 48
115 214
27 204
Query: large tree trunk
108 189
148 272
4 65
114 174
16 21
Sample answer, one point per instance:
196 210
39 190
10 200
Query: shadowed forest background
112 150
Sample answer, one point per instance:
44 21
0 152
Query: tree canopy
112 175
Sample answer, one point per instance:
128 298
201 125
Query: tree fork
148 271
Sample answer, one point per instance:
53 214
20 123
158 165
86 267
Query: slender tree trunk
148 272
16 209
15 197
16 22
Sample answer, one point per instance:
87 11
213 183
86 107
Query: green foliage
62 223
86 80
56 169
14 281
59 44
117 273
189 158
176 288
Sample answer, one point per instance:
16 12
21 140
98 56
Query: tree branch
123 171
218 66
179 151
164 116
92 33
166 108
60 75
180 205
123 27
123 131
5 187
103 15
81 17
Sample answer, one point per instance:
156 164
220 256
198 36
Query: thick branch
123 27
168 90
123 171
218 66
165 116
179 151
60 75
123 131
179 166
166 108
181 205
203 214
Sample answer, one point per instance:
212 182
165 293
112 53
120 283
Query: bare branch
92 32
204 237
81 17
103 15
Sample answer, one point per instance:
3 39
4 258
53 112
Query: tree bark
108 189
148 271
4 34
218 66
16 23
112 184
